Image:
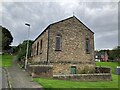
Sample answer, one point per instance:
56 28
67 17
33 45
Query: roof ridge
62 20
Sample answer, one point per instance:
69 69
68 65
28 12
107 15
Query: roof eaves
42 32
84 25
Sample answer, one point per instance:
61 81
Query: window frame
41 46
60 42
37 51
87 46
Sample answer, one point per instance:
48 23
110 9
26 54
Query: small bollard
117 70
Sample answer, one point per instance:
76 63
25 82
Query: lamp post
26 61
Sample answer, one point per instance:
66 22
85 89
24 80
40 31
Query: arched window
58 42
87 45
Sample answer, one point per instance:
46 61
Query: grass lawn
53 83
6 60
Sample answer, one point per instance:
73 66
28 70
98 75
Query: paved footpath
19 78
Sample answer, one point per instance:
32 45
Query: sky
100 16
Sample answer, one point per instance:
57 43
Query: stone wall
40 70
100 74
103 70
46 71
73 46
85 77
62 68
42 52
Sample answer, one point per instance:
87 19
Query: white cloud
62 1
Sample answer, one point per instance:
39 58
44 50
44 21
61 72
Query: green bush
87 69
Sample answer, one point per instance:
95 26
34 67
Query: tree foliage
114 54
6 38
21 49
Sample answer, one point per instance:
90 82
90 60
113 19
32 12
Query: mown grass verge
52 83
6 60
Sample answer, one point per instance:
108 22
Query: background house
101 55
68 45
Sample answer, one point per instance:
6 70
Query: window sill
57 50
40 53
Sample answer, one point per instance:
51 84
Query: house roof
99 53
62 21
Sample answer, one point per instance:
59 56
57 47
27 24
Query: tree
114 54
6 38
21 49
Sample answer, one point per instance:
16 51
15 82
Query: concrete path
20 78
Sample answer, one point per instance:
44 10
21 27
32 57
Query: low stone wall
103 70
46 71
40 70
85 77
101 74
